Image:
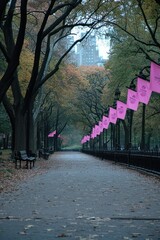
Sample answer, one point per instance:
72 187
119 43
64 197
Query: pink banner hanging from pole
132 100
105 121
83 140
52 134
97 128
121 110
101 126
155 77
93 134
112 115
143 90
88 138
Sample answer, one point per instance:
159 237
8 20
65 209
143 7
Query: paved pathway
82 197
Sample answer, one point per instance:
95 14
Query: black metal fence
148 160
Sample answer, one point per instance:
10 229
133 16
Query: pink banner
101 126
93 134
105 121
52 134
97 128
132 100
121 110
112 115
85 139
143 90
88 138
155 77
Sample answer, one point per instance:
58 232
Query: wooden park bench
22 156
44 153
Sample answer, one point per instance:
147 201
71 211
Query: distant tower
87 52
72 54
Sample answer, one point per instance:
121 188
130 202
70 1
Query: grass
6 154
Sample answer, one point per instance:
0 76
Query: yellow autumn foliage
25 67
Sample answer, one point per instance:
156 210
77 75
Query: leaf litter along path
82 197
11 177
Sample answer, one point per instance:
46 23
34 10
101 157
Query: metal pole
106 140
130 133
118 134
143 128
111 136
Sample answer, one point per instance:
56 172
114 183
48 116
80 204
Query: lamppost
143 143
117 127
130 120
130 117
141 75
105 132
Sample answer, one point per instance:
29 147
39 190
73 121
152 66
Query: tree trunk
20 130
31 134
143 128
38 135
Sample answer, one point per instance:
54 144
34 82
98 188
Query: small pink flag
52 134
112 115
132 100
88 137
83 140
101 126
155 77
143 90
94 131
121 110
93 134
105 121
97 128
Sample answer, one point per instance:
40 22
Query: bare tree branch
14 60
